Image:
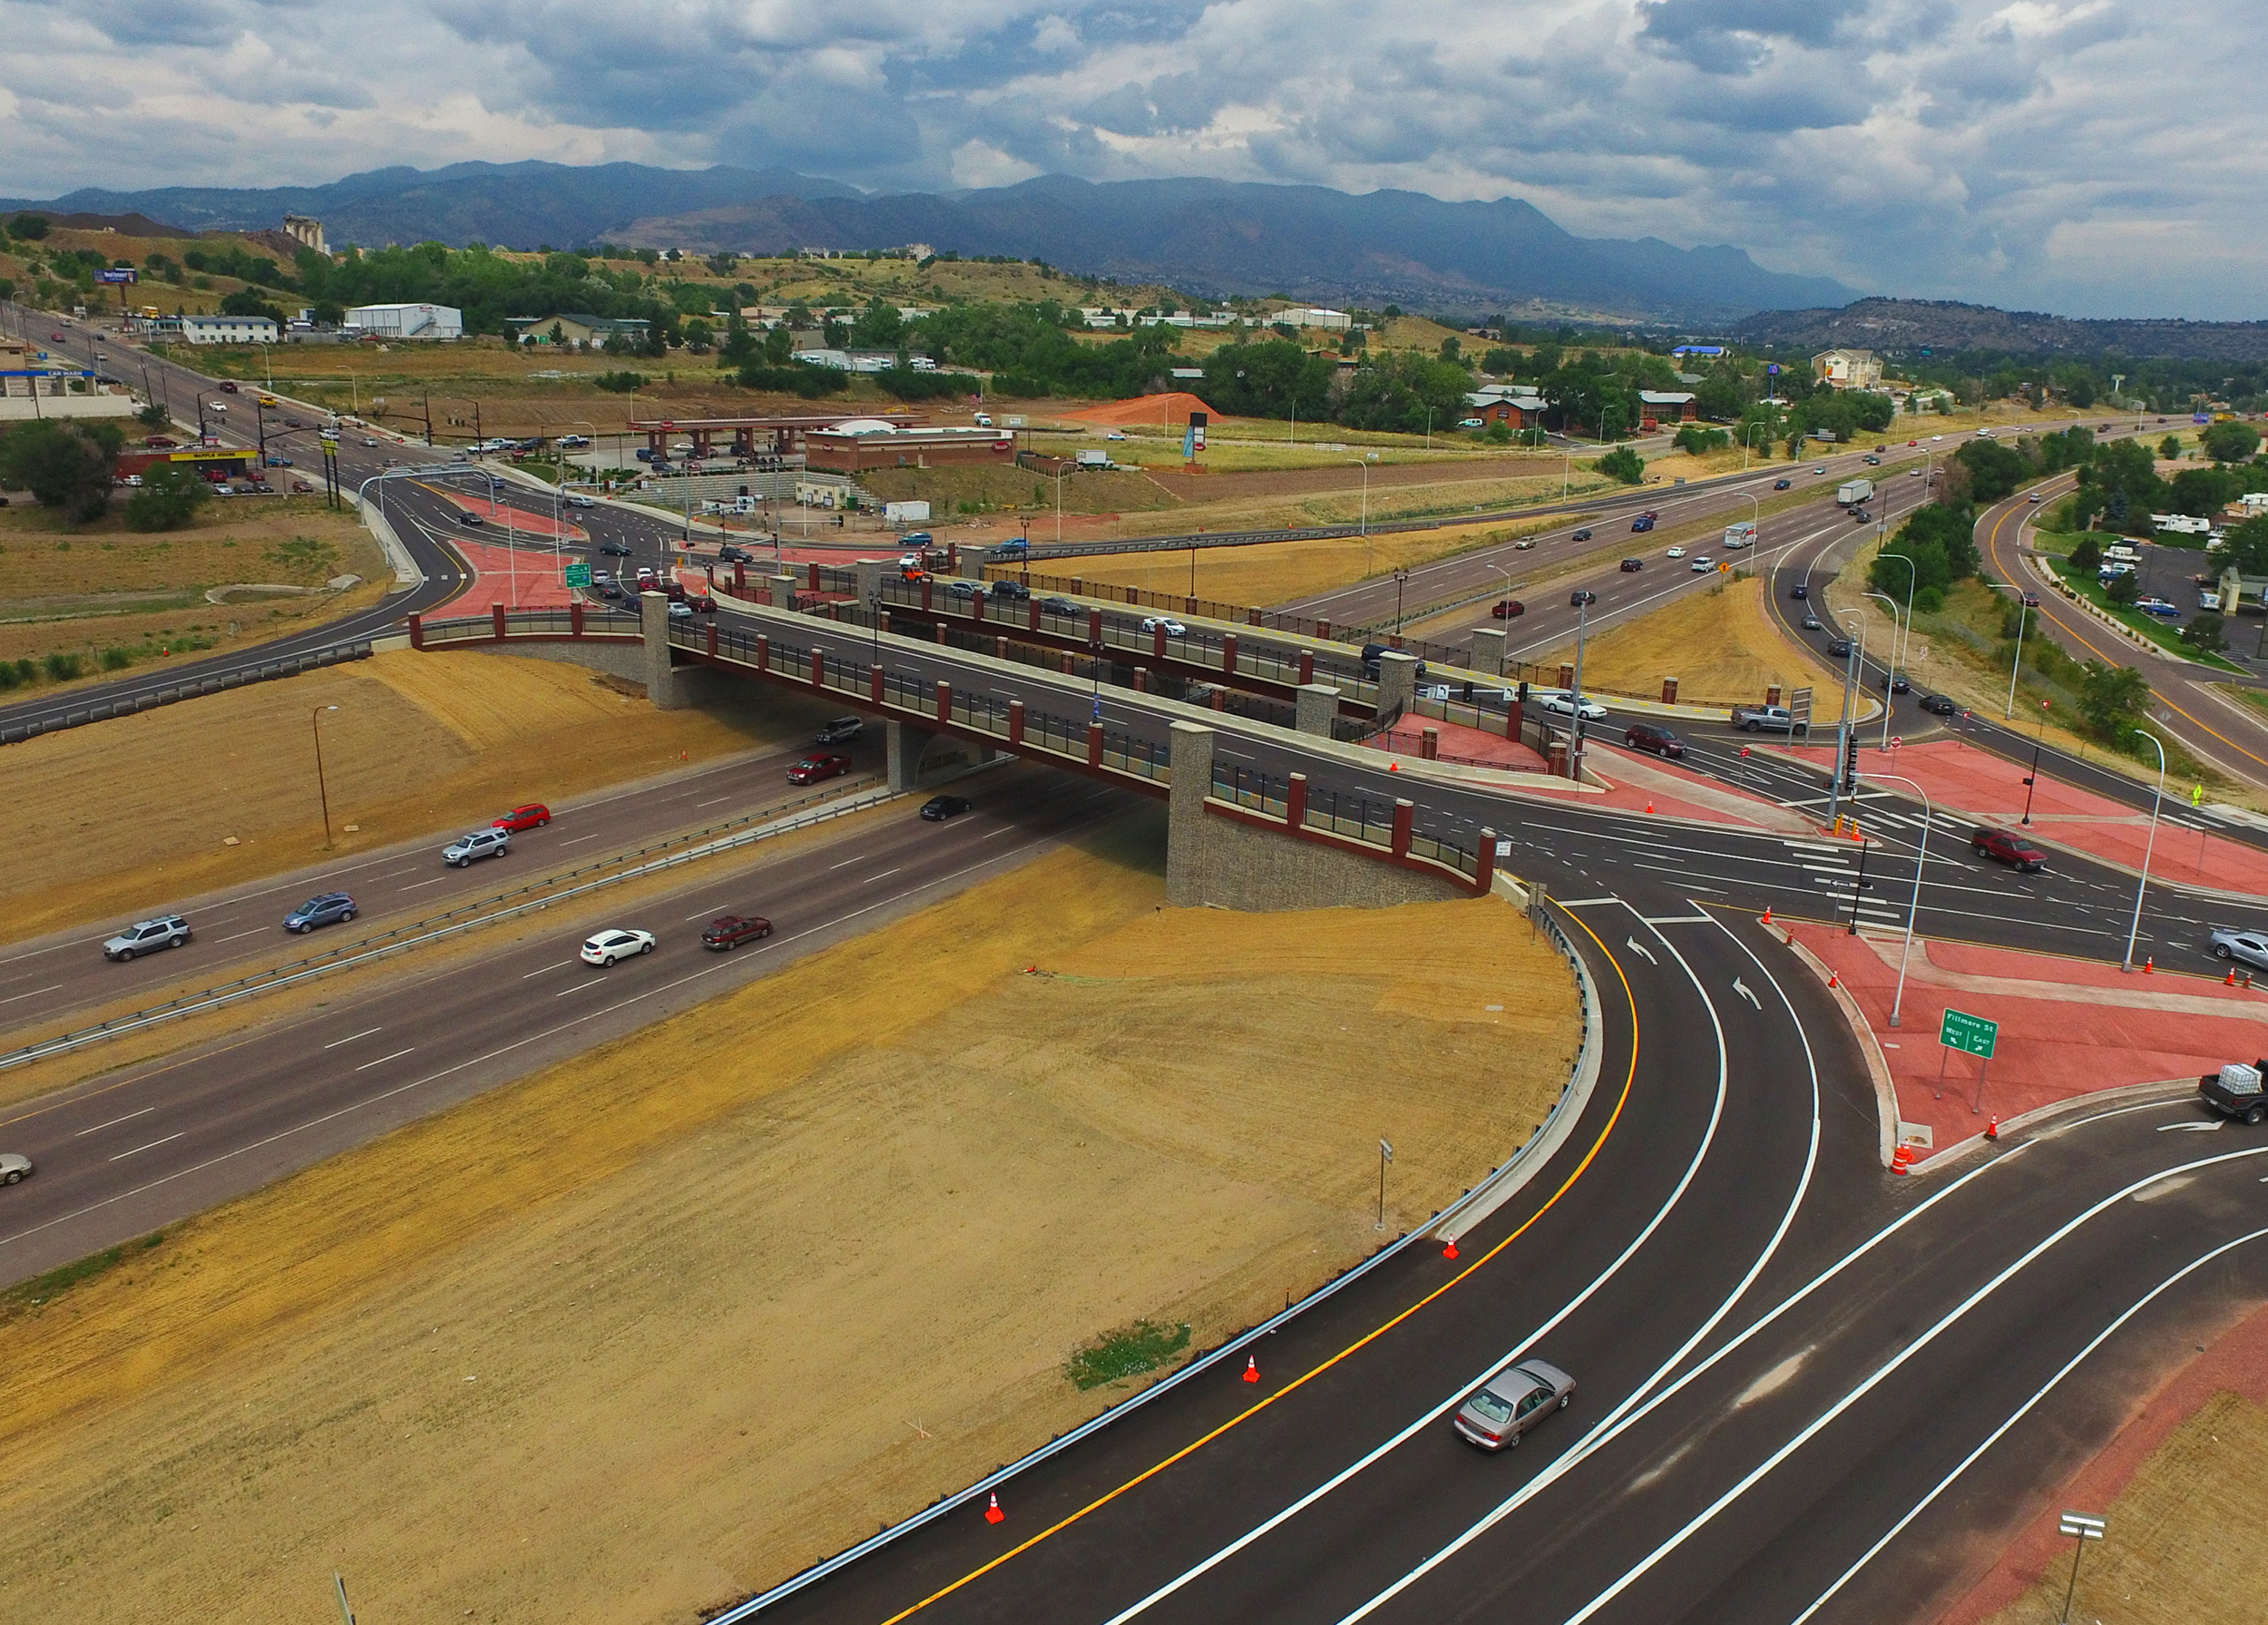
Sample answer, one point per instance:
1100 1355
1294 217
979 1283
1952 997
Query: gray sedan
14 1167
1511 1402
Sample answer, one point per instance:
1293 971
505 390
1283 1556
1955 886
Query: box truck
1852 493
1740 536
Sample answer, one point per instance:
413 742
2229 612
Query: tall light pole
1912 575
2023 604
1059 513
1891 676
315 722
1364 465
1920 855
1584 599
2031 783
2151 846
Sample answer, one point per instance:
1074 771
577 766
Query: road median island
1719 644
664 1284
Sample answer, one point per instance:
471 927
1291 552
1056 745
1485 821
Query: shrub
169 498
116 660
1622 464
619 383
62 667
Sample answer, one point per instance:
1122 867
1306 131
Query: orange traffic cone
993 1514
1450 1251
2149 966
2229 980
1901 1159
1649 803
1767 914
1252 1368
1834 980
1993 1127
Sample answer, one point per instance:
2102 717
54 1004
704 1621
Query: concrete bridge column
1488 650
1314 704
1397 682
780 590
663 688
914 754
1190 756
870 581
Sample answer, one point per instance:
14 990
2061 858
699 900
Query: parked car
1632 566
1560 703
730 930
491 842
1507 609
331 908
1509 1404
14 1168
1581 535
842 730
534 815
2158 607
1173 629
1940 705
147 936
1652 736
2009 848
1799 590
609 945
818 766
938 809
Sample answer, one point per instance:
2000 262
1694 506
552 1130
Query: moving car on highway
1652 736
1173 629
534 815
491 842
818 765
1511 1402
609 945
1674 553
14 1168
1560 703
842 730
147 936
1702 564
938 809
1581 535
331 908
2009 848
2249 947
728 931
1507 609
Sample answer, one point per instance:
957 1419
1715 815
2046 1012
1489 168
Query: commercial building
1311 315
1510 403
578 331
219 330
1848 369
862 444
405 321
1657 406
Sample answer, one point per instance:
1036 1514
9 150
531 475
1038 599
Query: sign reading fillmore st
1972 1034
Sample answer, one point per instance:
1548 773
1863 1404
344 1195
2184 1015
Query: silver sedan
14 1167
1512 1402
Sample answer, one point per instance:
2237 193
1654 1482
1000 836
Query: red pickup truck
2009 848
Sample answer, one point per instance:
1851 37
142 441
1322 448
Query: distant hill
1216 238
1910 325
1208 237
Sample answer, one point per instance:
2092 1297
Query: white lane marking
1742 988
381 1060
884 875
578 839
153 1145
436 880
1679 919
114 1123
856 857
540 969
1584 902
255 931
714 801
1994 1437
352 1036
35 993
1003 829
1906 1352
2190 1128
1636 946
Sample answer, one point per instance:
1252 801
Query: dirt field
1719 645
638 1311
420 743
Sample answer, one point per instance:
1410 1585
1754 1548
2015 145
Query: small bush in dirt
62 667
1130 1351
116 660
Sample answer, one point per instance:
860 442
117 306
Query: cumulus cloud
2075 154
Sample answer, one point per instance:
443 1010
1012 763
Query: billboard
124 273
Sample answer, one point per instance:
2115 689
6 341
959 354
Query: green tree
1622 464
878 327
2169 448
2123 589
2231 441
64 463
169 499
2112 698
152 417
28 228
2248 546
1940 540
1501 362
1406 392
2088 556
1268 380
1694 438
2207 631
1994 470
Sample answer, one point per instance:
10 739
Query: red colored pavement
516 577
519 520
1964 782
2069 1027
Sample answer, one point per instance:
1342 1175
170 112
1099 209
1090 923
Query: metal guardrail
433 928
265 672
1226 1352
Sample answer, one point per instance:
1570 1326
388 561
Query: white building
226 329
1310 316
1848 369
406 321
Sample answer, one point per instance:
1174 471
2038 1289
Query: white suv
481 843
147 936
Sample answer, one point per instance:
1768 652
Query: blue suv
328 909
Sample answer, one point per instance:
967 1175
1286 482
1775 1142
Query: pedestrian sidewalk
2068 1027
1971 785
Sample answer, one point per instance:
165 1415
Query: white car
1173 629
1560 703
14 1168
1674 553
576 499
216 406
1701 566
611 945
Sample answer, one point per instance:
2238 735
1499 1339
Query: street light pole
1912 575
1920 855
2032 783
315 722
1584 599
2149 846
1891 676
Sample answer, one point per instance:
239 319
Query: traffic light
1850 757
1523 690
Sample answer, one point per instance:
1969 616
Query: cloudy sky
2094 157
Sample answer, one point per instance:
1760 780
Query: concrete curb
2125 1095
1886 1113
405 571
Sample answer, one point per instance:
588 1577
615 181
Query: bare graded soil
137 811
664 1323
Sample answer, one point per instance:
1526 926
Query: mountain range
1911 325
1208 237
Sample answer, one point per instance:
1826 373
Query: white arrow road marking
1637 948
2191 1127
1742 988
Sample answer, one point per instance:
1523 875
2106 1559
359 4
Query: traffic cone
1450 1251
2229 980
993 1514
1649 803
1902 1159
1834 980
1252 1368
2149 966
1993 1127
1767 914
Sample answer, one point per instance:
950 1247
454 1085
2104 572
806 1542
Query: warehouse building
405 321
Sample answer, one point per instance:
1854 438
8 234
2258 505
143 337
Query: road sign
1896 740
577 575
1503 849
1799 709
1971 1034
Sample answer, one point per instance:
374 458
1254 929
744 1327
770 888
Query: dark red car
534 815
1507 609
2009 848
730 930
814 767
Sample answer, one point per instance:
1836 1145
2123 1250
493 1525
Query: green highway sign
1971 1034
577 575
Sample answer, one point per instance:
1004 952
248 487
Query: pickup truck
2008 846
2251 947
2234 1090
1767 718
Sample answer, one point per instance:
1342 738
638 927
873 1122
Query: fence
126 705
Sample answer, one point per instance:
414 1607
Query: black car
1840 648
1579 597
1895 682
609 590
620 550
1647 736
1015 590
466 516
1781 485
1799 590
1583 534
938 809
1632 566
1062 606
730 554
1937 705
